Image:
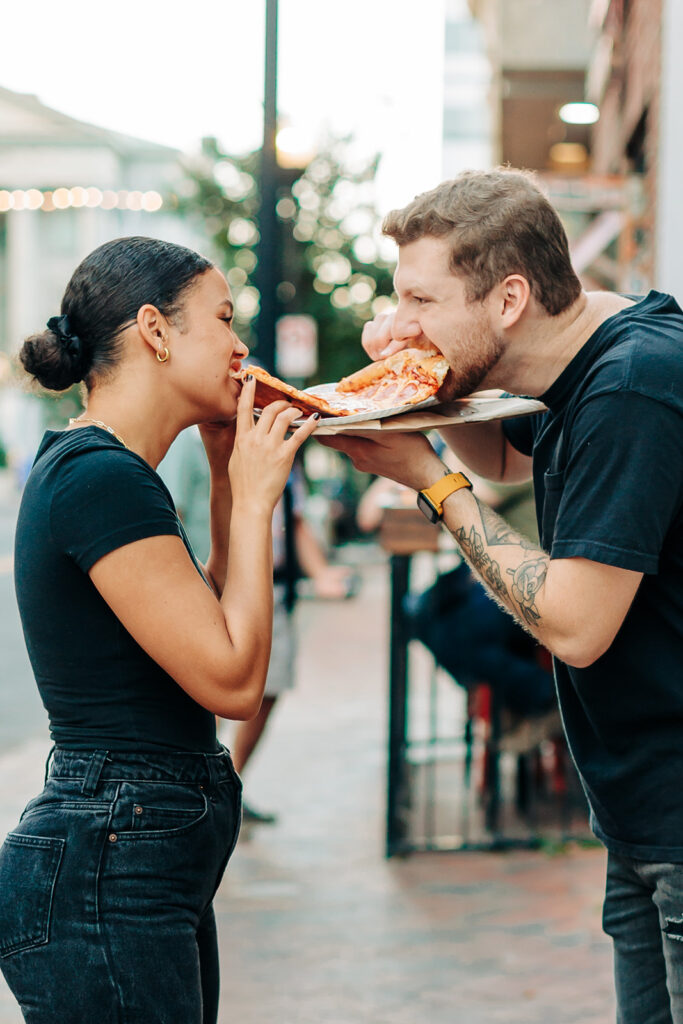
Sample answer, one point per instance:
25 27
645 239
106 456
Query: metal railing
456 778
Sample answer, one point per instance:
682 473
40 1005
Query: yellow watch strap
439 491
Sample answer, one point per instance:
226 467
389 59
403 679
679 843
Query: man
484 274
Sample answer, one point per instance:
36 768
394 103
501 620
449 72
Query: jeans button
137 809
113 837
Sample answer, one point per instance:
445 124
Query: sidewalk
316 927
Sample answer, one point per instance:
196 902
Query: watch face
427 508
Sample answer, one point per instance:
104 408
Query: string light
77 197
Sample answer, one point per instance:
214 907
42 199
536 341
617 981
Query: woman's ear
153 328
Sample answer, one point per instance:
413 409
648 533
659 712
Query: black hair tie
70 342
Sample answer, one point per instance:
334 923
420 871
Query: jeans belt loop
48 763
92 776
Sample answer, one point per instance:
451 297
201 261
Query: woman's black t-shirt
86 496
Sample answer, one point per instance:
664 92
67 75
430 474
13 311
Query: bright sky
370 67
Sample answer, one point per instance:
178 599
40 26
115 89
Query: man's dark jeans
644 916
106 889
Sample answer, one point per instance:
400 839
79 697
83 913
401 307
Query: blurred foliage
60 406
332 268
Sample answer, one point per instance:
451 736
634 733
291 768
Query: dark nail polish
249 376
316 415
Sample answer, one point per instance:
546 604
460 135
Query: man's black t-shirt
608 477
86 496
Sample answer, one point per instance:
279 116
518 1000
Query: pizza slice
410 376
271 389
406 378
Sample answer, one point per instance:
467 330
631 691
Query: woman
106 884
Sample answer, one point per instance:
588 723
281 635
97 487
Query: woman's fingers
271 412
283 422
245 405
303 432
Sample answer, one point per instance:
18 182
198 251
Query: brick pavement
316 927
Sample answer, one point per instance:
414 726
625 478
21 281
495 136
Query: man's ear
512 298
153 327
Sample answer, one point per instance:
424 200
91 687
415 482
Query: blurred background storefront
585 92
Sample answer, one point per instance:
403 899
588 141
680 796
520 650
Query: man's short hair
498 223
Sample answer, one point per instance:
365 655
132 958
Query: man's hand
407 458
378 337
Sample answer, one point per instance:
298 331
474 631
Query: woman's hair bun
102 299
57 358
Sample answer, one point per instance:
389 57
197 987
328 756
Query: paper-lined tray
430 415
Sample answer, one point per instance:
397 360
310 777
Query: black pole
398 782
268 276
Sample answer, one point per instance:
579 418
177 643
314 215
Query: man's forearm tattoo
497 531
527 578
475 552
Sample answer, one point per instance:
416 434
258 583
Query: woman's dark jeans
106 888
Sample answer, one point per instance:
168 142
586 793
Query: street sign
296 346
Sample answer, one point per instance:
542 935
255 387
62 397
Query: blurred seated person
296 552
468 634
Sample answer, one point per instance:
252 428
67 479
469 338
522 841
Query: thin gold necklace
98 423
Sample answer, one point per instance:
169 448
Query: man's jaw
463 381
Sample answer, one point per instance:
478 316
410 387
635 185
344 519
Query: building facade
468 128
65 187
636 78
615 182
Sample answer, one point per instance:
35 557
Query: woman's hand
262 456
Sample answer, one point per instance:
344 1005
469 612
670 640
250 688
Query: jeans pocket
28 873
163 819
153 811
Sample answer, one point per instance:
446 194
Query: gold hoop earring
162 359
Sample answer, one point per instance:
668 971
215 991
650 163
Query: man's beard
476 358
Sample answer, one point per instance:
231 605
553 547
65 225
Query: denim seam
145 778
87 805
231 850
108 958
